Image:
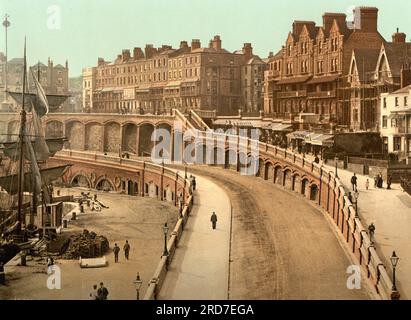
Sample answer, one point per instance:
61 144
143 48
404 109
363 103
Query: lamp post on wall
138 283
336 166
394 261
165 231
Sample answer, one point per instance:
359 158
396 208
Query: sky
80 31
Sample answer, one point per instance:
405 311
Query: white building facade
395 123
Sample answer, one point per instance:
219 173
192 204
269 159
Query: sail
54 145
35 172
54 100
41 108
9 183
40 145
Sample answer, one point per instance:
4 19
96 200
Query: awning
107 89
238 123
173 84
320 139
281 127
293 80
298 135
323 79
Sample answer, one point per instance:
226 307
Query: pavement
390 211
200 267
282 246
136 219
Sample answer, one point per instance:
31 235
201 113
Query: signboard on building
129 94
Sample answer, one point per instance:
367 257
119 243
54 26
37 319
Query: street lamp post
395 295
165 230
336 166
138 283
6 25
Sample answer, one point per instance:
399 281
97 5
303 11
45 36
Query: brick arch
218 156
230 159
81 175
314 192
100 180
288 178
129 140
269 171
261 168
146 145
278 174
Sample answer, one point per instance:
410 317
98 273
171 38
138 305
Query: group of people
100 293
378 182
126 249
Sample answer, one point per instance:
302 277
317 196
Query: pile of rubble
86 245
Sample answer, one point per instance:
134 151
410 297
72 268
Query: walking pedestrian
126 249
371 230
194 183
354 182
367 184
214 220
116 251
93 293
375 182
389 181
102 292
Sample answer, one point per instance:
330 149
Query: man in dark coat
126 249
102 292
214 220
354 182
116 251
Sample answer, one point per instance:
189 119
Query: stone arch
168 194
167 127
146 145
296 182
13 129
314 191
80 180
230 159
269 171
54 129
260 170
75 134
152 190
112 140
94 136
288 179
304 186
278 175
105 184
218 156
129 143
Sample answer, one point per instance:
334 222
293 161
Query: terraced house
309 75
160 79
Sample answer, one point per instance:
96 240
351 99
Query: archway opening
104 185
146 145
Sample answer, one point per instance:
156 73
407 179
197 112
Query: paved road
282 247
199 269
390 211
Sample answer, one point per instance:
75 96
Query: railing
292 94
206 114
322 94
200 122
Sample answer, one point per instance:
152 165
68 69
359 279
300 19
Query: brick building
310 73
157 80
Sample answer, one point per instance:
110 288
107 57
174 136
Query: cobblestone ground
282 246
137 219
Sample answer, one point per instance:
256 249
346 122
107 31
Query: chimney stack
216 43
183 45
366 19
399 37
138 53
195 44
248 51
405 75
100 62
125 55
149 51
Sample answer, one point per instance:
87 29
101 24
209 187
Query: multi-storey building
309 74
14 76
395 125
160 79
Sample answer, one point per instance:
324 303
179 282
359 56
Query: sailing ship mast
20 216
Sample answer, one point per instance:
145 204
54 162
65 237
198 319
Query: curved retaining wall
296 173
